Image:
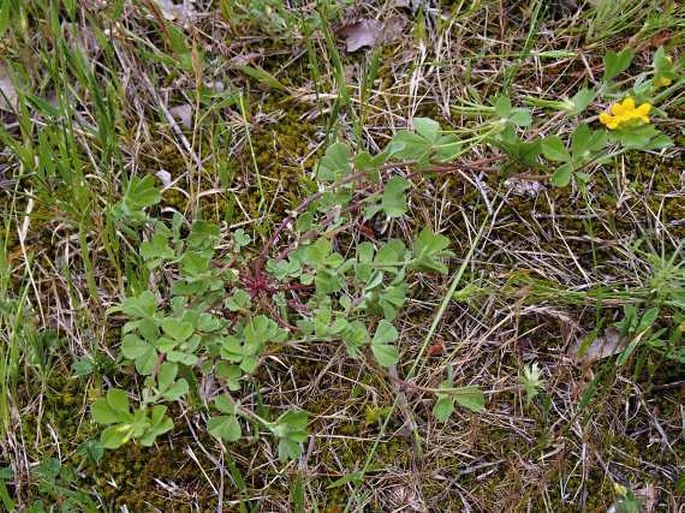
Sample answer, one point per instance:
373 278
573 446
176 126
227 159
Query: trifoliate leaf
156 250
580 139
203 236
521 117
133 347
166 375
103 414
580 101
230 373
225 404
386 354
288 449
177 390
393 201
429 251
141 193
502 107
616 63
143 306
226 427
410 146
355 337
143 353
118 401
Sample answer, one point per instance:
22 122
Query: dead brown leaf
371 33
393 29
612 342
361 34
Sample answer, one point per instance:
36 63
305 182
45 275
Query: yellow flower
625 112
610 121
624 108
642 112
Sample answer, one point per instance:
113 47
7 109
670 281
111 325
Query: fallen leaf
371 33
612 342
183 114
362 33
244 59
8 95
393 29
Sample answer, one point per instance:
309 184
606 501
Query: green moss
279 149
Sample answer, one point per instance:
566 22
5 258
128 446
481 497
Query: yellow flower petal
611 122
617 109
644 108
605 118
627 116
625 112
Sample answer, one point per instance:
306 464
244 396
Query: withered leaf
610 343
361 34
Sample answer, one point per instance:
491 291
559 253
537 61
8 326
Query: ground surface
230 105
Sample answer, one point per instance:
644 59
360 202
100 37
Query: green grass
537 270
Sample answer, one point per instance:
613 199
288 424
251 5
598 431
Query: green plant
586 145
626 501
6 474
532 381
56 486
277 18
225 312
627 127
469 397
665 305
638 328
